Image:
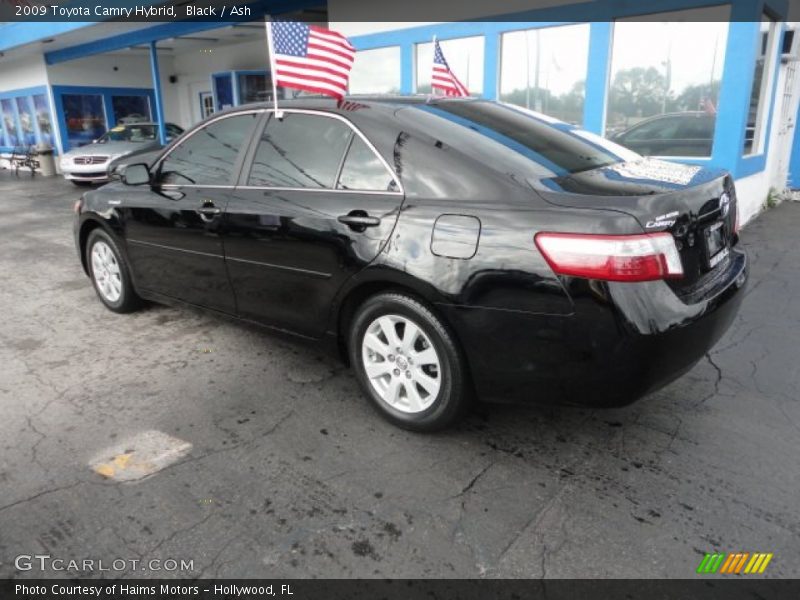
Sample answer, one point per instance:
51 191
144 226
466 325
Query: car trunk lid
696 205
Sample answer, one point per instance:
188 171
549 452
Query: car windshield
560 148
130 133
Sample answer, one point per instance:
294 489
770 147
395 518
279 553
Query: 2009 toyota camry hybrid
450 248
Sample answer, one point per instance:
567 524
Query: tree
638 92
694 97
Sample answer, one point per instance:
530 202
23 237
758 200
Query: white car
93 163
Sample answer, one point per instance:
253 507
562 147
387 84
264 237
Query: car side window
300 151
697 128
363 170
658 129
207 156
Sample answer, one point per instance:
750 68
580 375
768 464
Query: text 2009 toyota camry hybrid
450 249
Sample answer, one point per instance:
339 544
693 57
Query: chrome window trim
176 186
326 190
357 131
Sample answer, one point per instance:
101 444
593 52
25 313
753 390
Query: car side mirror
137 174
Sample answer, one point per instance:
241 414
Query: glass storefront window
256 87
10 122
42 109
544 70
131 109
28 133
85 117
664 86
465 57
761 90
376 71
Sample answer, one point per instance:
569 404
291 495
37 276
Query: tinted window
658 129
301 151
208 156
363 170
697 128
554 145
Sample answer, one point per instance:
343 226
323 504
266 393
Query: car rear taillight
644 257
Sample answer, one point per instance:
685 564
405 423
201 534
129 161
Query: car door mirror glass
137 174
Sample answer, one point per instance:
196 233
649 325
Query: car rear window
559 147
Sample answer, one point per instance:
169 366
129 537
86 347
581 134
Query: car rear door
172 228
316 204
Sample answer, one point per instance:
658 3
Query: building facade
686 80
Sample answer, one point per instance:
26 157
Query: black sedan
449 249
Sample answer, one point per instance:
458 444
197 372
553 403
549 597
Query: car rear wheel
408 363
110 273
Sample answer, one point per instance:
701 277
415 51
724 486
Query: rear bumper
622 342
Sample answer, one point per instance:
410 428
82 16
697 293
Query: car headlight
66 161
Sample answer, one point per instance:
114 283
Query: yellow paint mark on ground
140 456
104 470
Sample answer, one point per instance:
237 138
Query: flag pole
431 94
271 50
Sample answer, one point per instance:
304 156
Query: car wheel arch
90 223
354 295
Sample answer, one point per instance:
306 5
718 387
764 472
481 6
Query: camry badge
724 204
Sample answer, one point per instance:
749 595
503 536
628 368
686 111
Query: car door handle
208 212
359 220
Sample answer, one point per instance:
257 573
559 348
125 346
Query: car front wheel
109 272
408 363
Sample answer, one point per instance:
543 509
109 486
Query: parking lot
290 473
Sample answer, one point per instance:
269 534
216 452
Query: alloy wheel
106 271
401 363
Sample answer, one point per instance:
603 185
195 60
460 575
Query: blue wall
794 163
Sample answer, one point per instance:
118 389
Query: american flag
311 58
443 78
349 105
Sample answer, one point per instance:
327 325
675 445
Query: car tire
408 363
110 273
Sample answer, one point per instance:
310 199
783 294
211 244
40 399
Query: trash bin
44 156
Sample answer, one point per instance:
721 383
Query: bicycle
23 157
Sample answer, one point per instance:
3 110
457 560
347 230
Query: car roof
371 100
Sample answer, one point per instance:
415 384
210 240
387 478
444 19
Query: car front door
172 228
316 206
